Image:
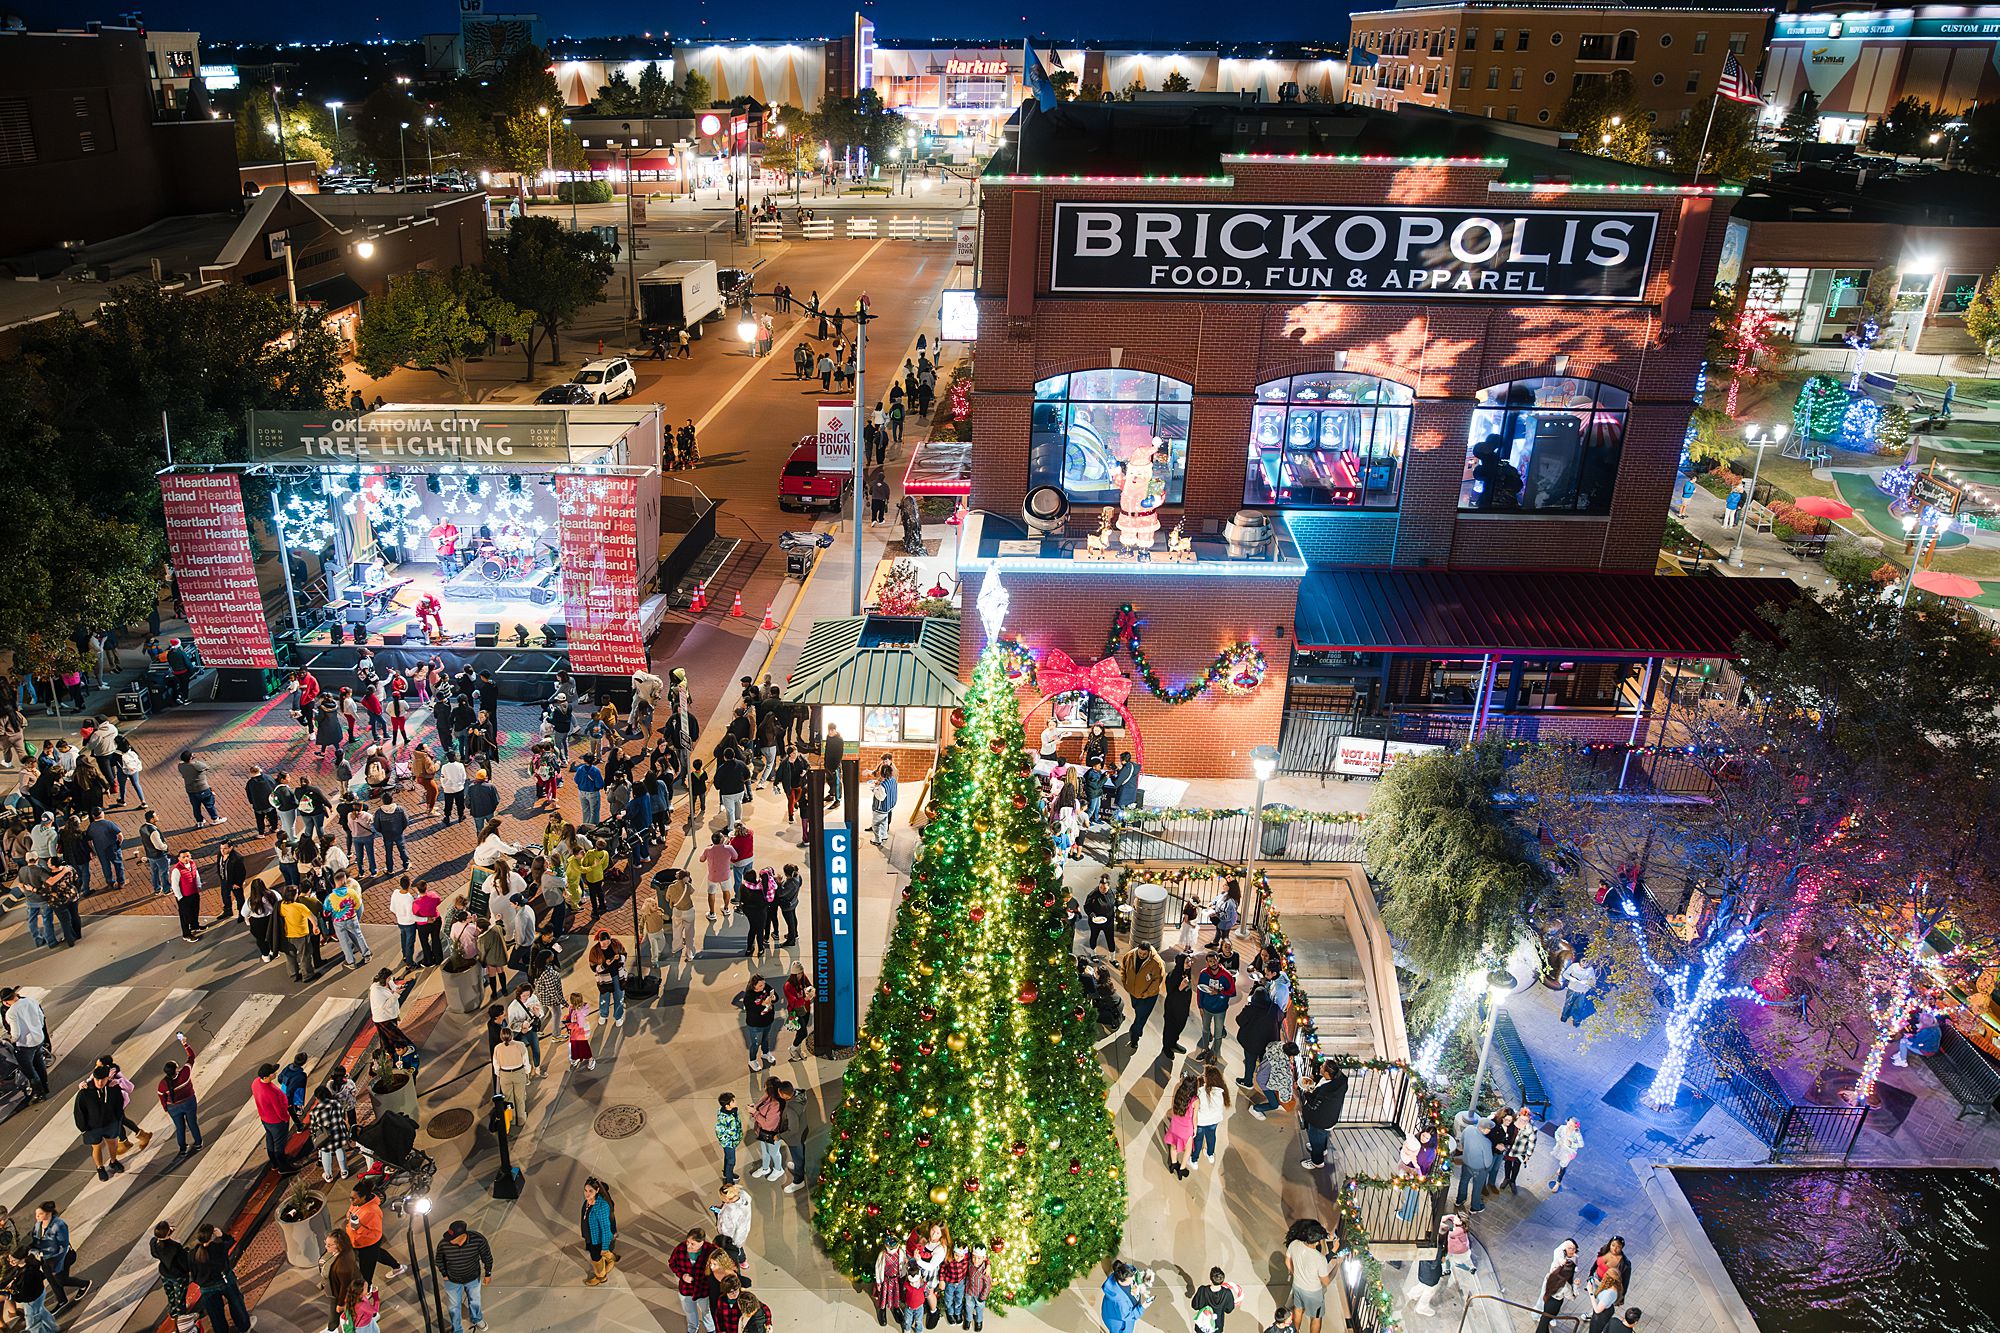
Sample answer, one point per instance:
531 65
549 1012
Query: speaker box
393 638
486 634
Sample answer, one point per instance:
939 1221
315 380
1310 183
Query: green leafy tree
307 135
617 97
1609 120
549 272
1733 150
694 93
524 82
789 141
1454 869
655 95
523 143
1176 82
1064 82
860 122
1134 88
976 1097
1982 316
1714 442
1914 686
1801 124
1906 129
376 124
80 441
437 322
1982 137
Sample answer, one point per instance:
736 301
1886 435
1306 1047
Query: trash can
1149 914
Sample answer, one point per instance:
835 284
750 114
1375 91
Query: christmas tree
976 1097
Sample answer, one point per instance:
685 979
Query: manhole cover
619 1122
449 1124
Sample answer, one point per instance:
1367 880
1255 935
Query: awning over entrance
335 293
879 661
1567 615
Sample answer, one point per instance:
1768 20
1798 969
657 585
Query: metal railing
1386 1099
1227 840
1565 1323
1723 1068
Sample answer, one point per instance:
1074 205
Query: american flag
1736 85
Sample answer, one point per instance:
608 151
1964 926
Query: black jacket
99 1108
258 791
1179 995
1321 1105
466 1259
392 821
1257 1025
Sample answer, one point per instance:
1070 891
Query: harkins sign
1287 251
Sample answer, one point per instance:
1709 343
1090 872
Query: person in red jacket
689 1264
177 1098
274 1109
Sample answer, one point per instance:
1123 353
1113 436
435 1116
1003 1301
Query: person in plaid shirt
728 1313
888 1288
689 1263
332 1123
952 1273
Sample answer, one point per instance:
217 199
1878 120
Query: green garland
1239 668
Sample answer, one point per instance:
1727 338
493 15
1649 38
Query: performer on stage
445 534
430 617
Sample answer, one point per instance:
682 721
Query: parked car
605 380
804 486
567 393
733 282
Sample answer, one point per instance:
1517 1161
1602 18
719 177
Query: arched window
1088 423
1328 440
1544 446
1628 45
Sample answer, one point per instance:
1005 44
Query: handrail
1567 1323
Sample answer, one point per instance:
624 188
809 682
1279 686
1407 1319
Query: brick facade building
1418 345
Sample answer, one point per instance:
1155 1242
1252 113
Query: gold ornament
940 1195
956 1041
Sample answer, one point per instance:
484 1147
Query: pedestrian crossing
232 1033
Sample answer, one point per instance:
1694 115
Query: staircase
1340 954
1328 976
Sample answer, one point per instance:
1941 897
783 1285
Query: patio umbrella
1948 585
1819 506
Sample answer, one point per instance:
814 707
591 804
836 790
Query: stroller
15 1089
389 1142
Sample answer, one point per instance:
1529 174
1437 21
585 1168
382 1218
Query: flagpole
1701 156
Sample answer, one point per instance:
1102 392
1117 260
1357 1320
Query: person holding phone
176 1090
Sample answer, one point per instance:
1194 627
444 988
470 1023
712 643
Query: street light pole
334 107
1499 985
861 318
278 119
1264 763
1760 439
549 123
417 1207
631 241
430 159
1924 528
423 1210
402 150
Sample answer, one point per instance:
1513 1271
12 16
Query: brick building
1521 61
1395 400
1813 240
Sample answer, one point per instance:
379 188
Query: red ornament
1020 801
1070 1239
972 1184
896 1066
1028 994
1049 900
845 1135
926 1049
923 1140
1025 883
874 1210
928 1015
1020 1149
1076 1014
996 1245
997 745
1075 1166
977 915
958 717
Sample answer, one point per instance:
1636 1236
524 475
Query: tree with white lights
1675 899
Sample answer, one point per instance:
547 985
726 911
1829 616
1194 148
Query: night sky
1162 21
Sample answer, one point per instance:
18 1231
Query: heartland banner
210 545
597 531
1285 251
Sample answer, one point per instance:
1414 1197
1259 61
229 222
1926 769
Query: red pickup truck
804 486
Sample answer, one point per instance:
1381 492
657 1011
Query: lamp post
417 1207
549 124
334 107
430 159
1263 763
1499 985
1924 530
278 122
421 1206
902 170
746 329
631 237
1352 1270
402 151
1759 439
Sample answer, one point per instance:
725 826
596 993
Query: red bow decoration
1057 674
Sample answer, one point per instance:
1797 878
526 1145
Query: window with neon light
1328 440
1546 445
1087 424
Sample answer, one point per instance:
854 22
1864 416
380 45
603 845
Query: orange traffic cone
769 624
699 602
736 605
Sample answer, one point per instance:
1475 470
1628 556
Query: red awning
1566 615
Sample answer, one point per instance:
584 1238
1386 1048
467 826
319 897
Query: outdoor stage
518 540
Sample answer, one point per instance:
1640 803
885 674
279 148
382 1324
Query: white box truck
683 294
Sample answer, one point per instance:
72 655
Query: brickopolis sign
1286 251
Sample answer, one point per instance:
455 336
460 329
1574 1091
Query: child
1214 1301
888 1285
698 789
951 1275
728 1133
915 1290
978 1285
548 772
576 1022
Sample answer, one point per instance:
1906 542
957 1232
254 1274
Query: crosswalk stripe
243 1140
94 1202
41 1153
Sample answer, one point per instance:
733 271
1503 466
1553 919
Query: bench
1760 519
1966 1073
1514 1055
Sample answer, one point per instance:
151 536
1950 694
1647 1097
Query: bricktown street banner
598 533
210 543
